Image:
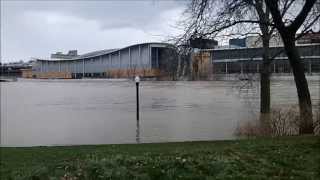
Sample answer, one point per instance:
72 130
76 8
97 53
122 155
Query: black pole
137 87
138 125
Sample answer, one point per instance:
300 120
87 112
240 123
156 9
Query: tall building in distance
255 41
275 40
69 55
309 38
238 42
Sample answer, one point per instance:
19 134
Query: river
73 112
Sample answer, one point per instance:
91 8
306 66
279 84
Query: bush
284 121
317 121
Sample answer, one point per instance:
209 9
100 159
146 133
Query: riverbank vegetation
283 121
295 157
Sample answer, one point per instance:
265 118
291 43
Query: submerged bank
269 158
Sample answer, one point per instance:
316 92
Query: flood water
69 112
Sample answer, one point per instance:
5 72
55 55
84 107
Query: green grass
264 158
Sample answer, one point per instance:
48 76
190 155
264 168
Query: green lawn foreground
262 158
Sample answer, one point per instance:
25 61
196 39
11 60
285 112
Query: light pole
137 80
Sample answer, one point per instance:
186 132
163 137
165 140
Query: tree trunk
265 96
305 106
265 88
178 68
184 68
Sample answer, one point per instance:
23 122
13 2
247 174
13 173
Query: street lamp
137 80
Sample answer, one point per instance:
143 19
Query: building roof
223 48
96 53
101 52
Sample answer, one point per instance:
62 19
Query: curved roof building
137 57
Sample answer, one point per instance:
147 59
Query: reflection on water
60 112
138 132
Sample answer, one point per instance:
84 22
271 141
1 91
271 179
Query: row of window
281 66
250 53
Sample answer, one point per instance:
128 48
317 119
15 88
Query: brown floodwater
69 112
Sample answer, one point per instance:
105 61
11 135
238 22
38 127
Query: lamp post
137 80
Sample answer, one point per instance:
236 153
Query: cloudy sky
37 28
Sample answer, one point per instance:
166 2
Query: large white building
145 59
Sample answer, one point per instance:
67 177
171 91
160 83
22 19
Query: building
201 43
15 69
201 65
146 60
69 55
255 41
248 60
240 42
161 60
275 40
309 38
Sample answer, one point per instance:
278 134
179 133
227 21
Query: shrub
284 121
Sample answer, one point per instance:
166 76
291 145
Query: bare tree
211 18
288 27
214 18
169 63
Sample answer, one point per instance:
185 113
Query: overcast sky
36 29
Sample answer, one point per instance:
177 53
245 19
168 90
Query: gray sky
37 28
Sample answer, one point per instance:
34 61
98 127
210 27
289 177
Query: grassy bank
277 158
